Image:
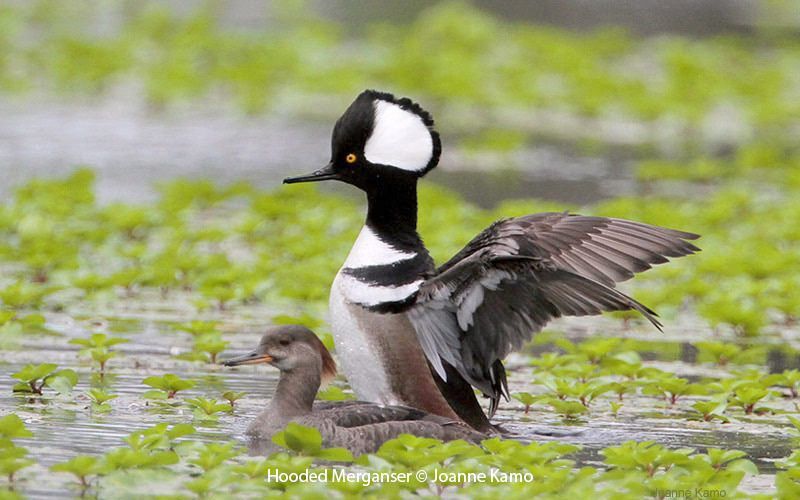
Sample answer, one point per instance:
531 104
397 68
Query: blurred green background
580 100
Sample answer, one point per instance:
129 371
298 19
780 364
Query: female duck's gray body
361 427
410 333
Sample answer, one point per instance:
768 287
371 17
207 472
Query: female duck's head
290 348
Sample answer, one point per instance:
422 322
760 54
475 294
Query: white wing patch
369 250
399 138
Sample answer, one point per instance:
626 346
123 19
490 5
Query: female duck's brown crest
328 364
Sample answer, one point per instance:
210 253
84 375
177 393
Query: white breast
357 352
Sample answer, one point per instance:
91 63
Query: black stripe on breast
394 274
395 307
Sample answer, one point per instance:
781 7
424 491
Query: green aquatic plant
97 340
748 396
100 399
101 356
208 342
568 409
22 295
232 396
211 455
787 482
167 386
308 441
526 398
622 388
199 328
671 388
210 345
14 324
647 457
147 449
722 353
12 457
214 481
711 410
334 393
12 461
159 436
207 409
34 378
126 459
795 423
594 350
80 466
585 392
789 379
11 427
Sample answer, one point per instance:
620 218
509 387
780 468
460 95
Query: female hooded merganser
361 427
412 334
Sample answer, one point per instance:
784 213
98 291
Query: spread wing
518 274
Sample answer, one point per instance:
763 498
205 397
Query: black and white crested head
380 137
380 129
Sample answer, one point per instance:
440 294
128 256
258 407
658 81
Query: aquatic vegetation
570 410
747 396
211 345
334 393
526 398
97 340
98 347
232 396
34 378
789 379
167 386
207 409
80 466
308 441
100 399
672 388
12 457
787 482
711 410
723 353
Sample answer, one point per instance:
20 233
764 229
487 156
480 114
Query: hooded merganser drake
361 427
409 333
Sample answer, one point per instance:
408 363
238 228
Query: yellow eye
351 158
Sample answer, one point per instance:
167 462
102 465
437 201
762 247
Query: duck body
409 333
361 427
375 340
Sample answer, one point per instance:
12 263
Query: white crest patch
399 138
369 250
